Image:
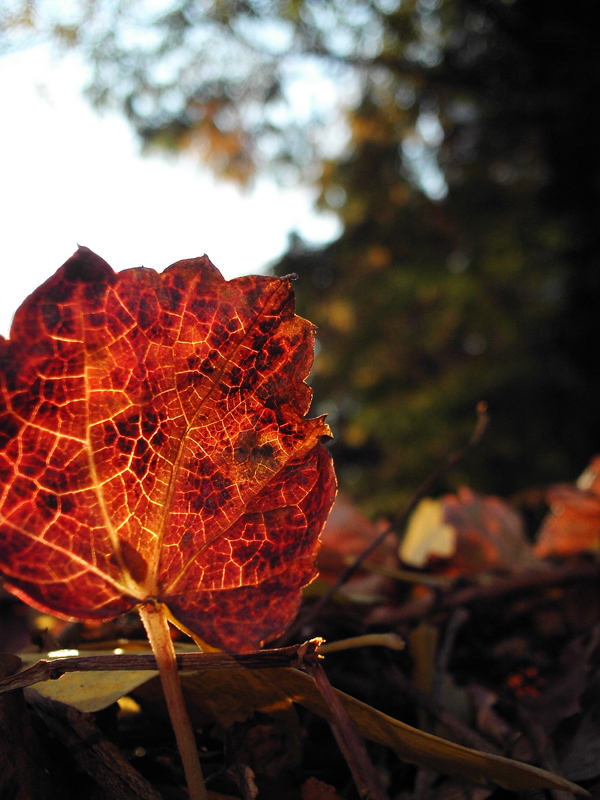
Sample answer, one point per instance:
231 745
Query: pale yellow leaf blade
427 535
88 691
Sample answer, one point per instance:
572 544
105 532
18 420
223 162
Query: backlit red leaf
153 445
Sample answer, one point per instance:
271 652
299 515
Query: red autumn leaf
573 524
153 445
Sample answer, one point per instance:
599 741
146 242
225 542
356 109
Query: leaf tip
85 266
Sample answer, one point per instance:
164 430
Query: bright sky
69 176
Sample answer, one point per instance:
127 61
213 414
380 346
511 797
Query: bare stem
367 779
391 640
157 627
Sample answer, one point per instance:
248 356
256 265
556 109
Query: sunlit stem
156 625
391 640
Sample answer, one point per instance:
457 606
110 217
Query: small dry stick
532 580
294 656
400 519
425 776
391 640
542 744
365 775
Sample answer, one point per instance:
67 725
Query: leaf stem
157 627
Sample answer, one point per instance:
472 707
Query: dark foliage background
457 140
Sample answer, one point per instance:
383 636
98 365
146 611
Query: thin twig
472 595
542 744
293 656
400 519
391 640
406 575
366 777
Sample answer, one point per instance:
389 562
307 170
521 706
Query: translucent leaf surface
153 445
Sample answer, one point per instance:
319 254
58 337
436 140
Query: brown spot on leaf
251 452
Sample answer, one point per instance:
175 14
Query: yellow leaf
427 535
87 691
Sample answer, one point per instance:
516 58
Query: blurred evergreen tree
457 140
468 266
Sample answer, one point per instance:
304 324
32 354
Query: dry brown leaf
464 534
345 535
313 789
234 695
244 691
